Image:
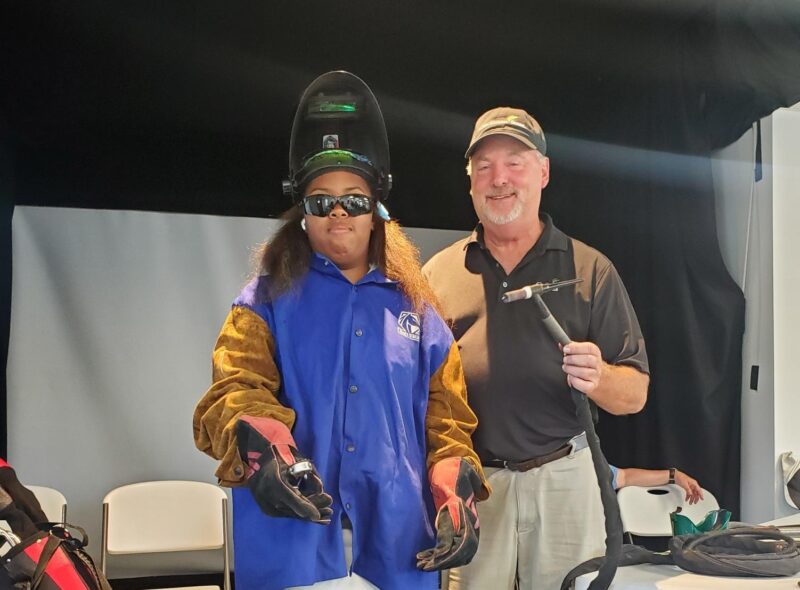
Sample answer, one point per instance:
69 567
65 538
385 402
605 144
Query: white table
791 520
671 577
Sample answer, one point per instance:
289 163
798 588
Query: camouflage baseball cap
509 121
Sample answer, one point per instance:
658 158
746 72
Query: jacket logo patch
408 325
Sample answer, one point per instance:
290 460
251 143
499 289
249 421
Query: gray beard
496 219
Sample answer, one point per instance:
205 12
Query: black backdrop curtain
187 106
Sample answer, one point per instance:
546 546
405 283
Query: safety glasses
322 205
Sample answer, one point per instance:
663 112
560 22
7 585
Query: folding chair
164 516
645 510
52 502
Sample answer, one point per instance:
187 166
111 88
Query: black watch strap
671 475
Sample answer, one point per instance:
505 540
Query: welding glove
269 452
18 506
454 484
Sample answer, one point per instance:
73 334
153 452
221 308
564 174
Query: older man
544 516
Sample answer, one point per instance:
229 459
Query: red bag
52 559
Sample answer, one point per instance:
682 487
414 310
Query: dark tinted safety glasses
322 205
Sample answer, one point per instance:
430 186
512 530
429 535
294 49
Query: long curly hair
287 256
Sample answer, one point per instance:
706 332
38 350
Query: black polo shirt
512 366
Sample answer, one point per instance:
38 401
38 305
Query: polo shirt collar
552 238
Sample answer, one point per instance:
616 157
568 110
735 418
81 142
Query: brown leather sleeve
450 422
245 381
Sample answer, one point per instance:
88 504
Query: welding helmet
338 126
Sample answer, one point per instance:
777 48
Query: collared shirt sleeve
245 381
450 421
614 326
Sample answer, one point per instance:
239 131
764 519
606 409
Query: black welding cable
608 496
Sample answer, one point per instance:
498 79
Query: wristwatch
671 475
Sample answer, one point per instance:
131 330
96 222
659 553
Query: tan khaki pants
536 527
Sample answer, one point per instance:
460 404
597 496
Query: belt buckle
514 466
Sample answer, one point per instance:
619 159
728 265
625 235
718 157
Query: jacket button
237 470
359 332
351 448
353 388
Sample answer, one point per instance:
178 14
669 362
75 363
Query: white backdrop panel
114 315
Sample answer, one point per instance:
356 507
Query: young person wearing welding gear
545 514
338 408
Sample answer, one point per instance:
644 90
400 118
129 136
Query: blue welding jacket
356 363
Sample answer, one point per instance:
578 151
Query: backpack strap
49 550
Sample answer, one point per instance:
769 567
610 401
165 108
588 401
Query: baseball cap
515 123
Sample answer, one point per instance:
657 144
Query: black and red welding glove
454 484
18 506
269 452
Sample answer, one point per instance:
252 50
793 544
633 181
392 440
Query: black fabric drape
187 106
6 209
650 208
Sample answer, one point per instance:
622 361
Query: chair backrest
645 511
161 516
53 502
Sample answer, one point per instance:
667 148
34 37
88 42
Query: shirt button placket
357 343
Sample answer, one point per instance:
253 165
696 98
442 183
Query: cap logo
508 122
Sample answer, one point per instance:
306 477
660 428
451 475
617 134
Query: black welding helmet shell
338 125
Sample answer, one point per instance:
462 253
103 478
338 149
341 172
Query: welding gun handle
555 329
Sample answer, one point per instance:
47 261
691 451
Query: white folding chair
645 510
163 516
53 502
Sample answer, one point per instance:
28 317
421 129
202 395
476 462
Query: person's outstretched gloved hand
454 484
18 506
283 482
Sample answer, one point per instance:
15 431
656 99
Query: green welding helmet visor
338 125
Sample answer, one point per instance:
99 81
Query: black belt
529 464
